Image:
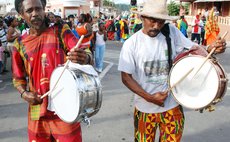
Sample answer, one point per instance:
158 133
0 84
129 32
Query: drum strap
165 31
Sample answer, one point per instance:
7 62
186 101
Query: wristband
23 93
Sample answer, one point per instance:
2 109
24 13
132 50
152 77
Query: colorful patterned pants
170 123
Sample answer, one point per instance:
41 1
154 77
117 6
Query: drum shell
88 94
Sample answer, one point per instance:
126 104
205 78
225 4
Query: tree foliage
108 3
174 9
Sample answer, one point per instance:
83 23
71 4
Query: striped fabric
3 34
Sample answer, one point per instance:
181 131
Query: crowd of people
96 31
205 28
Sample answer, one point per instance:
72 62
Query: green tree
108 3
173 8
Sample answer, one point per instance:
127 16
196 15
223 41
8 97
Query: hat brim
157 16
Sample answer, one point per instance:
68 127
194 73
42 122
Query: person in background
21 25
196 29
211 28
117 28
84 28
3 39
206 13
35 55
124 28
203 19
95 24
51 17
183 26
1 58
110 28
137 24
12 32
100 38
72 25
58 19
71 21
216 13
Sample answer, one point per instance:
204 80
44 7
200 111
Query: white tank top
100 39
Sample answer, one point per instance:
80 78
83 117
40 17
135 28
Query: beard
153 33
37 23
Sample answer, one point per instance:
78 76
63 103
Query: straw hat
155 9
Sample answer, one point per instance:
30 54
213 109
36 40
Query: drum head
65 97
195 92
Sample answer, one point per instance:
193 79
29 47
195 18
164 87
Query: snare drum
201 90
77 96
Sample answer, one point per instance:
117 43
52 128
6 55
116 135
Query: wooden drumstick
66 65
180 80
209 55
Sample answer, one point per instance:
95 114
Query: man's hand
78 55
31 98
158 98
219 44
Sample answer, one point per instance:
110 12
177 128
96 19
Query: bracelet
23 93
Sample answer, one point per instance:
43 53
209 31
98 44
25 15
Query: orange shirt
81 30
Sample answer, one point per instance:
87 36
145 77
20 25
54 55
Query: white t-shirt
147 60
100 39
200 24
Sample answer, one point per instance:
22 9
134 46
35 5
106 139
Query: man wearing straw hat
35 55
145 61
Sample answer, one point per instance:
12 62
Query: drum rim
169 83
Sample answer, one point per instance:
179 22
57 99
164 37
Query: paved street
114 123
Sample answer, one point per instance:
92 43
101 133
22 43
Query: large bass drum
207 87
77 96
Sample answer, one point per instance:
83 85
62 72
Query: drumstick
209 55
66 64
44 95
181 79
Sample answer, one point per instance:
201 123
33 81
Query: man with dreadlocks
35 55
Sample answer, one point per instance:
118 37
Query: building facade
64 8
223 6
199 6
